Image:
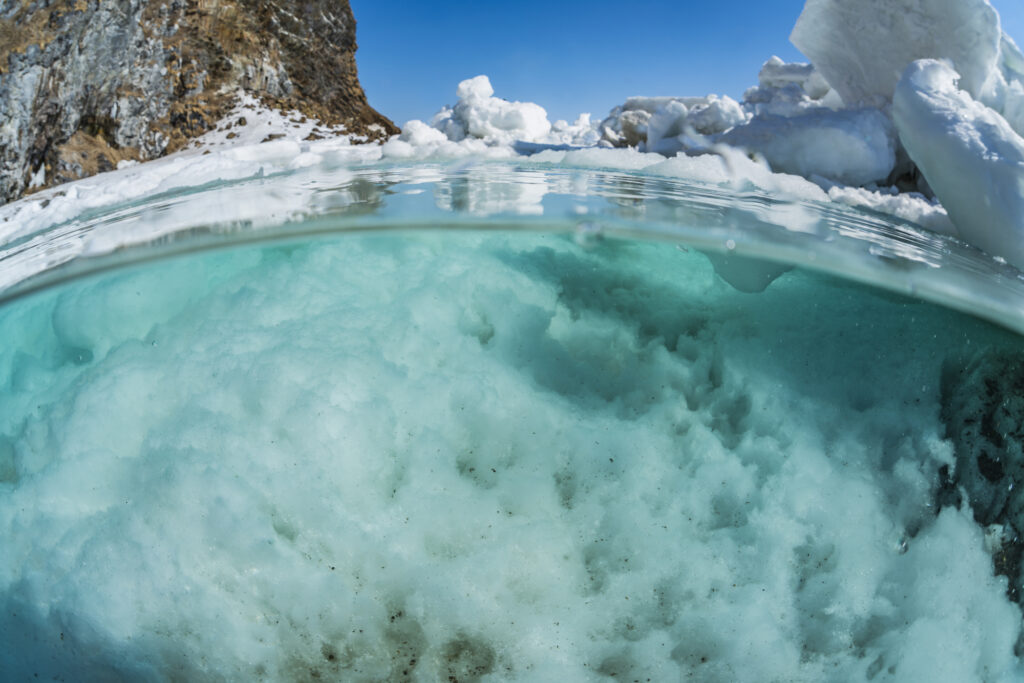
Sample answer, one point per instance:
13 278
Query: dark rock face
87 83
983 410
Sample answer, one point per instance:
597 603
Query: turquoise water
494 454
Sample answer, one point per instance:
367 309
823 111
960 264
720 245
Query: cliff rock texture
87 83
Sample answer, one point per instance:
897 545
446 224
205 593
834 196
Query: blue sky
572 56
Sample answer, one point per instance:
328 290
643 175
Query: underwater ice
486 457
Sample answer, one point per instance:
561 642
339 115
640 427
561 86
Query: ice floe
670 124
969 154
854 147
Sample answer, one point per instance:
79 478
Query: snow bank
485 126
970 155
421 141
855 147
478 114
790 118
667 125
580 133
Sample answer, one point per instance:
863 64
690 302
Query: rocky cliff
87 83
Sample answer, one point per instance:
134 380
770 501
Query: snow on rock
478 114
862 48
669 124
250 122
970 155
855 147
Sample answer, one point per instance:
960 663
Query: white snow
481 125
478 114
38 178
667 125
419 140
970 155
581 133
862 48
792 119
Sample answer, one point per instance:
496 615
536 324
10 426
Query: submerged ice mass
487 457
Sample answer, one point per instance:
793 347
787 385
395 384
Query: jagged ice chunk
969 154
478 114
862 48
855 147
